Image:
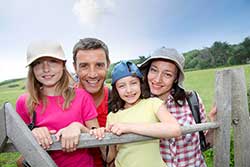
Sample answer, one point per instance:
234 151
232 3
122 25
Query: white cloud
90 12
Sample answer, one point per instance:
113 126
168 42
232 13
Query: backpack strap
193 103
32 125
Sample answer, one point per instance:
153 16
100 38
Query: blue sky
131 28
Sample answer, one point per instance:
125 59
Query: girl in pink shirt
59 109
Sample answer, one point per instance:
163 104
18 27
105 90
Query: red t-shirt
102 111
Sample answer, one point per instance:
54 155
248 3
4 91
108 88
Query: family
148 99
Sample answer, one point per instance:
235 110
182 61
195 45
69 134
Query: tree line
219 54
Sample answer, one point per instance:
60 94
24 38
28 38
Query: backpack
193 103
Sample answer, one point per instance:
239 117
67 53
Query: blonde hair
35 96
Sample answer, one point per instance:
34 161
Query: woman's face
161 77
129 90
48 71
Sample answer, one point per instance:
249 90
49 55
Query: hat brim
44 55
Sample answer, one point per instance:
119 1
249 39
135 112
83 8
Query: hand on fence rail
86 140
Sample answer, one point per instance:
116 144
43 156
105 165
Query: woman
164 74
58 108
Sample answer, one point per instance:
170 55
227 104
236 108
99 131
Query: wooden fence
232 109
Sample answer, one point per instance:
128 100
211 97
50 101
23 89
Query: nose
92 72
158 77
45 66
128 88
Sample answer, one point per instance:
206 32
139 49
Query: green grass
9 92
202 81
8 159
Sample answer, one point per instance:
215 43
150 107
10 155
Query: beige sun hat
168 54
38 49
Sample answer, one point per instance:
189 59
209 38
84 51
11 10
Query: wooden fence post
3 135
240 119
23 140
223 103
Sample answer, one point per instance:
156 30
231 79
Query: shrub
13 85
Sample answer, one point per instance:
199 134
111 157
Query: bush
13 85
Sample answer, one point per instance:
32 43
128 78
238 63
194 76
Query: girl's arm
168 126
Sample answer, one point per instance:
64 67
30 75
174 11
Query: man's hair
88 44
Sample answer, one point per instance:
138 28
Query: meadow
203 81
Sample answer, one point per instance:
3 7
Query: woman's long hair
177 92
117 103
35 95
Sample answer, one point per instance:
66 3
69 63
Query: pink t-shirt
81 109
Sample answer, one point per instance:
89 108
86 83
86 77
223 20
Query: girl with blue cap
134 112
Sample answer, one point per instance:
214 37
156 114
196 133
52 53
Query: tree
221 52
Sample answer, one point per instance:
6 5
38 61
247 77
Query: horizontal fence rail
88 141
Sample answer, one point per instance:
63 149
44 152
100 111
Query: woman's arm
212 118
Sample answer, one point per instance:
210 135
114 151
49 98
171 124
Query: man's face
91 67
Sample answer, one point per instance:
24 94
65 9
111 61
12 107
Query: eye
121 86
134 82
100 65
83 65
153 70
36 63
167 75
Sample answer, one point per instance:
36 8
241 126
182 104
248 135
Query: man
91 63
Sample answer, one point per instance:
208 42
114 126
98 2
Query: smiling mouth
92 82
48 76
131 96
156 86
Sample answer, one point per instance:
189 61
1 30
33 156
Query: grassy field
202 81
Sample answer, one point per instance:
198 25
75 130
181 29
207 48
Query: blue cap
125 69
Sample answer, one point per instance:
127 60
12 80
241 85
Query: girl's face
161 77
129 90
48 71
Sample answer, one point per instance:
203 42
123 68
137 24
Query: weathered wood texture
240 119
3 135
23 140
223 103
87 141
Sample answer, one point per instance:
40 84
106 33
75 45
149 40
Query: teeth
92 82
47 76
130 96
